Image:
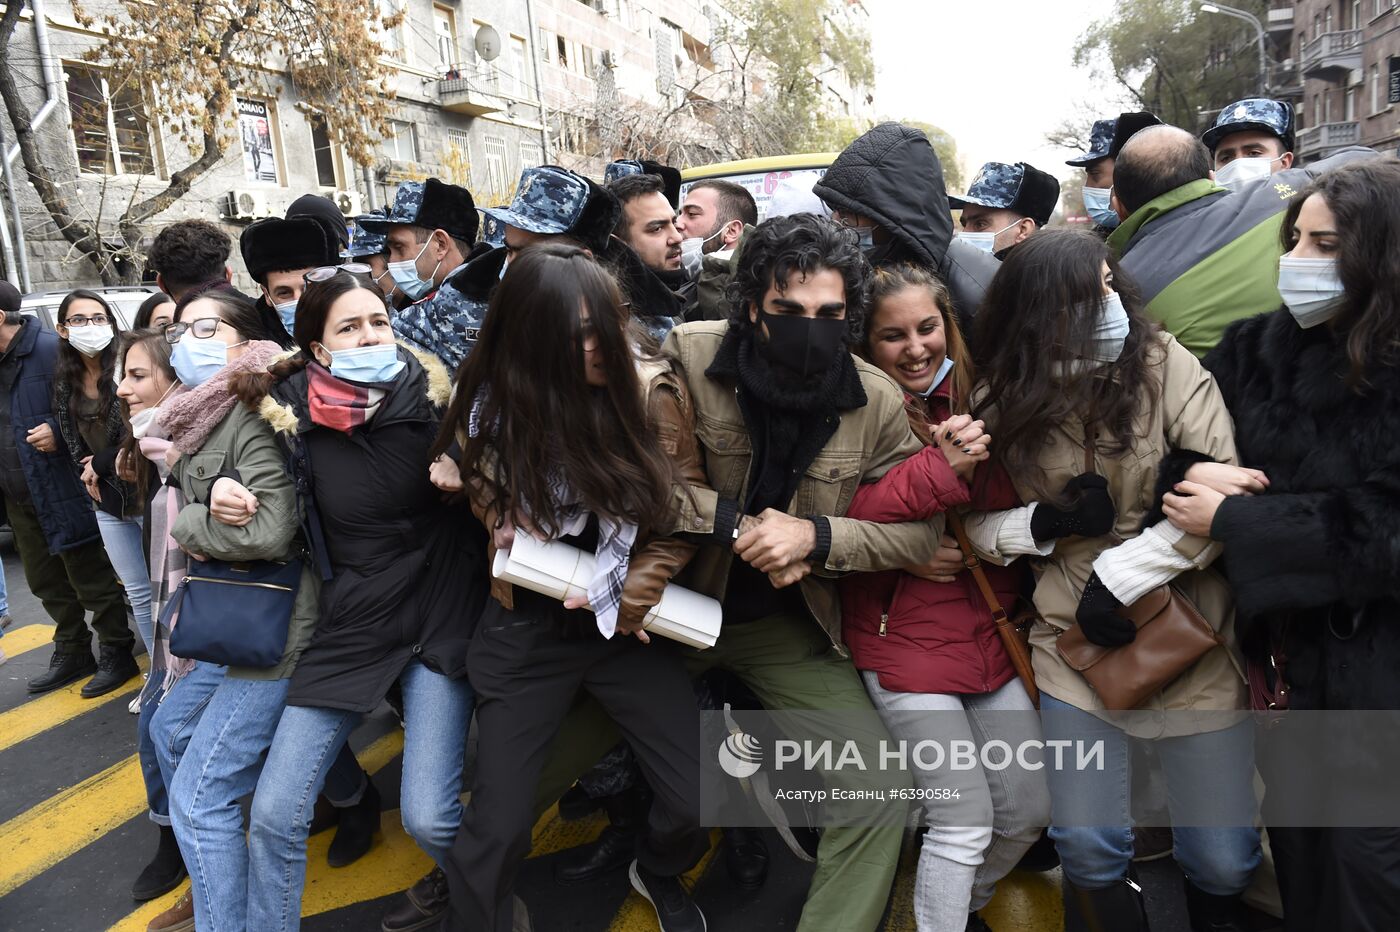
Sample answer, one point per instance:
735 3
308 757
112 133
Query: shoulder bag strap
1010 637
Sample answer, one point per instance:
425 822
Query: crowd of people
873 438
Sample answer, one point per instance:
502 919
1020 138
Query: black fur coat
1318 555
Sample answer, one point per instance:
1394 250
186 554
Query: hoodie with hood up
892 175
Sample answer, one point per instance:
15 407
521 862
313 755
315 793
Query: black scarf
789 421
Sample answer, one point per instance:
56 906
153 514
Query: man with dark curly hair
791 424
189 253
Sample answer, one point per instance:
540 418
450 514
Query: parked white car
125 301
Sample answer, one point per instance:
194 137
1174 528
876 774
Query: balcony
1332 55
1286 82
1322 140
471 89
1281 21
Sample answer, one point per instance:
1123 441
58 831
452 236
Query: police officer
1005 204
1105 141
372 249
1250 140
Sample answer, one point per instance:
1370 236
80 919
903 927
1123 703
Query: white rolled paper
560 571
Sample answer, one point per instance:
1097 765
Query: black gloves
1091 515
1098 616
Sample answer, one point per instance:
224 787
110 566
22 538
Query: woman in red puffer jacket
923 638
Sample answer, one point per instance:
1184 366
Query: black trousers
1342 879
527 666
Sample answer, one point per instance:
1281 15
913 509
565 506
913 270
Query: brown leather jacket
655 560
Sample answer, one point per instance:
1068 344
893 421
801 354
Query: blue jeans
437 711
157 799
1090 821
4 593
226 732
122 539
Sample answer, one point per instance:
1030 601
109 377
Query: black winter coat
1318 555
892 175
408 573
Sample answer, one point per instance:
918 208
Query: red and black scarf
338 404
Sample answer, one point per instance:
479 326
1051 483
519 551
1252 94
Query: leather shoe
746 857
615 847
355 834
178 918
64 668
115 667
421 906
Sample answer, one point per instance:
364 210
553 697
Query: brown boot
178 918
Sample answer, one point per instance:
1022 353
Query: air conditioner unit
246 205
609 60
348 202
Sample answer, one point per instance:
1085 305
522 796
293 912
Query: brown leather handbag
1171 636
1011 629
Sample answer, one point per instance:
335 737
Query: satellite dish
488 43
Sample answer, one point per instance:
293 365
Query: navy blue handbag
233 614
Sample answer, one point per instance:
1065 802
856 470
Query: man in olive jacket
790 425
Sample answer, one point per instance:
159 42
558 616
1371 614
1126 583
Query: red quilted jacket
922 636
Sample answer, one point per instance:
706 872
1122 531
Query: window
457 159
110 131
1327 20
520 64
561 47
1355 14
1326 108
1350 105
402 142
496 166
531 155
391 38
324 151
1317 110
445 33
546 46
255 125
586 59
1375 88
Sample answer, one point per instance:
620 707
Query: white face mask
1311 289
90 340
1110 331
987 242
1243 172
142 421
693 251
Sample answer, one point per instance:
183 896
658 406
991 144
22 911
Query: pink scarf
168 563
190 417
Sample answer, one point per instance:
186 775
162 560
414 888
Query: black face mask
804 346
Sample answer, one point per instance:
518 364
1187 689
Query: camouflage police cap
1252 113
433 205
1100 143
493 231
408 201
621 169
996 185
363 241
549 200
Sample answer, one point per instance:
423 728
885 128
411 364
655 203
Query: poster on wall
255 128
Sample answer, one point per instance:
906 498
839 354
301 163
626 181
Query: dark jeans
527 667
70 584
1338 878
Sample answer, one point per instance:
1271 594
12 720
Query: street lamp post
1253 20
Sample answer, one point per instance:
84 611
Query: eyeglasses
326 272
203 329
96 320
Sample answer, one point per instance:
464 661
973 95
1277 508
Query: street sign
1394 96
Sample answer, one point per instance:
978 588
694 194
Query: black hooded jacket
892 175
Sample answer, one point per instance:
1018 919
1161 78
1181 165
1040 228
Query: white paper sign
560 571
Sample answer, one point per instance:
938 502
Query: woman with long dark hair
925 642
1082 392
90 421
155 312
569 433
1314 389
404 580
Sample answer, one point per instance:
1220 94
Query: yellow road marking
637 915
53 709
38 838
21 640
1028 902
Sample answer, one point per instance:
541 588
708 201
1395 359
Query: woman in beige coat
1082 392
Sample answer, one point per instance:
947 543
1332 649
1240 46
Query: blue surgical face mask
377 363
1311 289
987 242
938 379
1096 202
405 275
195 361
1110 330
866 237
287 311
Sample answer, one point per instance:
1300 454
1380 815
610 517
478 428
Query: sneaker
675 910
178 918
